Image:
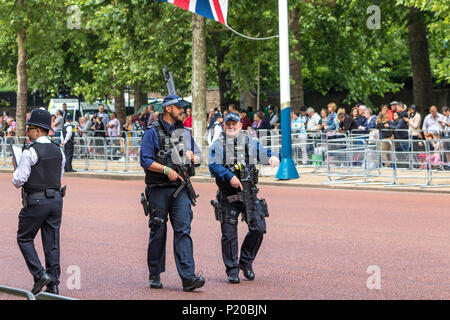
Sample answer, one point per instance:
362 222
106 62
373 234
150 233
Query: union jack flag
212 9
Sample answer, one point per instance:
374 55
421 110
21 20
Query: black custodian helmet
40 118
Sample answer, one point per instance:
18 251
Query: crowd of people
7 126
394 121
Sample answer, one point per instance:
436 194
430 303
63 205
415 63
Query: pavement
321 243
309 177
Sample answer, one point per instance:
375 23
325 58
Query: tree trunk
140 97
119 105
420 60
22 84
297 97
198 85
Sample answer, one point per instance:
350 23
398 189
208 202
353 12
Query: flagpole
287 169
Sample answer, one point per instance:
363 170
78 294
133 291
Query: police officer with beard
163 180
39 173
232 161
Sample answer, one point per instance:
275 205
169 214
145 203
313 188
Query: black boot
248 272
155 282
52 288
196 282
40 283
233 278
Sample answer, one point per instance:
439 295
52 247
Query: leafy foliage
127 42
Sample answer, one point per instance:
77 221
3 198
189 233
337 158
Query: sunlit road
320 244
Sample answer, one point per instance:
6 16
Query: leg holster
224 214
260 212
158 216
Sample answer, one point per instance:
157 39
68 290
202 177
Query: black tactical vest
46 173
164 139
64 132
244 161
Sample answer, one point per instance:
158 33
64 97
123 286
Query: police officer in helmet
39 173
165 141
68 142
232 161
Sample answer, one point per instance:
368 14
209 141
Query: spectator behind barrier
346 123
446 127
323 119
431 123
414 121
331 123
314 119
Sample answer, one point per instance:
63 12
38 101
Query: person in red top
188 122
391 111
246 122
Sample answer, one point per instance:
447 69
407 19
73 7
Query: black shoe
71 170
40 283
196 282
232 278
52 288
155 282
248 272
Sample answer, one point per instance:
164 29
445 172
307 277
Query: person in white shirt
214 134
432 124
113 128
413 120
39 173
58 123
272 116
314 119
68 142
101 113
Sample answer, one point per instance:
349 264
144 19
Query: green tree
35 25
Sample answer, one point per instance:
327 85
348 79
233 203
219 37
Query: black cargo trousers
41 213
229 217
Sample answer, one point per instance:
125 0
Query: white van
77 108
73 106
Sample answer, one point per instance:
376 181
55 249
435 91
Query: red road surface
319 244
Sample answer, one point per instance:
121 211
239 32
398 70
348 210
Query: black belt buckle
50 193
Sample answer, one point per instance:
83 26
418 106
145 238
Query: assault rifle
248 175
185 171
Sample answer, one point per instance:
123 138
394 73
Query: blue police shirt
150 144
216 159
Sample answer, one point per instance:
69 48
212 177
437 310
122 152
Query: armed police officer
232 161
39 173
168 154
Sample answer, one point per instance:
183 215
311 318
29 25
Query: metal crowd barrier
341 157
395 160
434 161
17 292
29 296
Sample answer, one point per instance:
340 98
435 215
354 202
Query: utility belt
47 193
254 209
